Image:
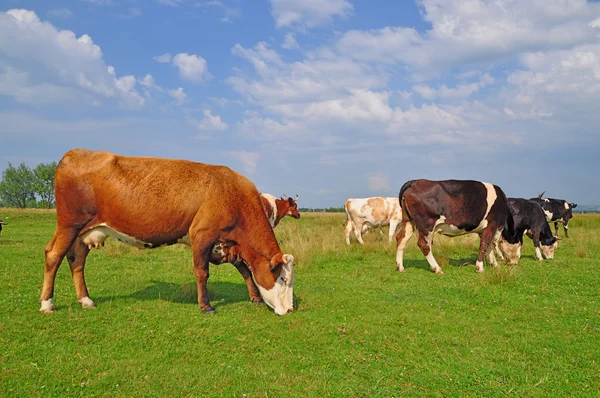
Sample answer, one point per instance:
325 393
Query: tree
44 183
17 186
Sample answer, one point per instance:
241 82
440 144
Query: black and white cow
452 208
527 216
557 211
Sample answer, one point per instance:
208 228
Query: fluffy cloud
379 181
163 59
307 13
179 96
191 67
290 42
211 122
32 50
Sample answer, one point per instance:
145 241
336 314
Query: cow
364 213
151 202
527 216
557 211
1 224
452 208
276 208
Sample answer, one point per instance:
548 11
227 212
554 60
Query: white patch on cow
479 266
47 306
548 214
97 236
360 213
441 227
86 302
566 206
546 200
271 199
538 253
490 200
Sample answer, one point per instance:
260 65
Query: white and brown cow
151 202
557 211
364 213
452 208
277 208
527 216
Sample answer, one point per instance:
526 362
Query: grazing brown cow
150 202
452 208
276 209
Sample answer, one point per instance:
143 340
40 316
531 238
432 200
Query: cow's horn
296 198
557 238
284 196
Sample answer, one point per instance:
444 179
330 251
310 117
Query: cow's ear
276 262
573 205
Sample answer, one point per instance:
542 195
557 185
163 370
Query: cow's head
278 290
512 252
292 207
548 246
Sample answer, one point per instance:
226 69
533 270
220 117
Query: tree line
23 187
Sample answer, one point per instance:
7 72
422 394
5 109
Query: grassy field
360 328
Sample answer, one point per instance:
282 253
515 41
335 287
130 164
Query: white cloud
37 51
191 67
379 181
249 160
148 82
100 2
308 13
476 32
179 96
211 122
460 91
163 59
60 12
290 42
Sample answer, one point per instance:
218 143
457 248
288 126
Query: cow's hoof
439 271
400 269
209 310
47 307
257 301
479 270
86 302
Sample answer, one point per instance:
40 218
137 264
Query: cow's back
140 195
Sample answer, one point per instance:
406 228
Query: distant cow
151 202
362 214
1 224
452 208
557 211
276 208
527 216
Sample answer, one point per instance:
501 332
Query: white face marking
548 251
512 252
47 305
548 214
281 296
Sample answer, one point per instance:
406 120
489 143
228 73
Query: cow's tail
405 212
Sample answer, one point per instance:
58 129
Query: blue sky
325 99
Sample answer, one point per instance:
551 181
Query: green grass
360 328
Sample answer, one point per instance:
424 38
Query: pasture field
360 328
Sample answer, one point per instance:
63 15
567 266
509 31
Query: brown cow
276 209
151 202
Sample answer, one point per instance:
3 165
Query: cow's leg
349 227
565 227
392 231
358 226
202 240
490 250
252 289
486 239
424 244
536 244
55 251
556 227
76 257
498 251
406 231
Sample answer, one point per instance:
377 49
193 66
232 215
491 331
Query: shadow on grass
220 293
